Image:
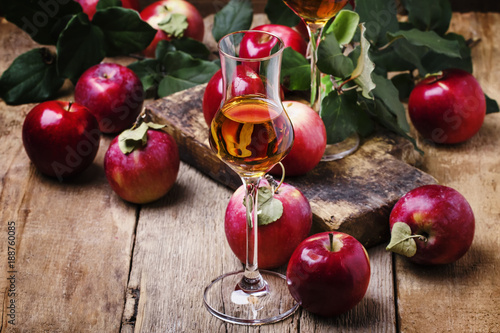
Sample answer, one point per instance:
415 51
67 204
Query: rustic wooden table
88 262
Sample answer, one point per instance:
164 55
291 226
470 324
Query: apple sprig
73 43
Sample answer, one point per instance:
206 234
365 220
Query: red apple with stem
60 138
172 19
142 164
89 6
277 239
432 224
255 46
247 81
310 140
447 107
113 93
329 273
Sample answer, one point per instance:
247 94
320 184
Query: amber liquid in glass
251 134
316 11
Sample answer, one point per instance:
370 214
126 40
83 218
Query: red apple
448 107
277 240
436 220
328 273
247 81
309 143
113 93
60 138
255 46
146 173
160 11
89 6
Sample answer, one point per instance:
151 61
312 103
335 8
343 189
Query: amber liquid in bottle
251 134
316 11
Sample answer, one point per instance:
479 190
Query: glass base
342 149
227 301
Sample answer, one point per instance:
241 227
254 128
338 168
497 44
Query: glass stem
314 37
252 279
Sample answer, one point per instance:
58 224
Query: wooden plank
353 195
464 296
73 242
181 247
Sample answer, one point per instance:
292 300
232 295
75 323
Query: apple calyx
174 25
402 241
136 137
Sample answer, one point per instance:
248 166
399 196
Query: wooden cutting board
353 195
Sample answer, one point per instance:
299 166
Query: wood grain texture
354 195
464 296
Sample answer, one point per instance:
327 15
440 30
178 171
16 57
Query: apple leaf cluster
371 61
73 44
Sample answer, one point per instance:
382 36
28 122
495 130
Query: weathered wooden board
353 195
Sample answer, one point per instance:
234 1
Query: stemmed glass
251 133
315 14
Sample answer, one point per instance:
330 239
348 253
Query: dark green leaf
80 46
386 93
236 15
183 71
279 13
342 116
387 60
148 71
331 60
404 83
434 62
136 137
105 4
491 105
124 31
42 20
412 54
295 70
429 14
380 17
188 45
428 39
31 78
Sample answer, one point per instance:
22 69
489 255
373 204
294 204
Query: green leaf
364 67
148 71
404 83
387 93
183 72
236 15
344 26
411 54
105 4
124 30
270 209
174 25
295 70
279 13
42 20
331 60
188 45
429 14
435 62
402 241
80 46
491 105
135 138
31 78
342 116
428 39
380 17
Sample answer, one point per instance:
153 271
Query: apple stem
330 235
